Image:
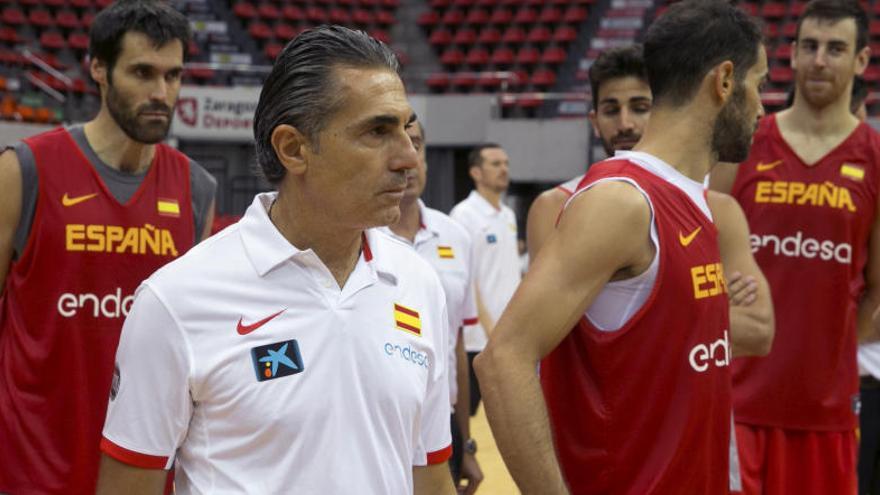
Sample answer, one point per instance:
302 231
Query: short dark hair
626 61
475 157
301 90
837 10
691 38
157 20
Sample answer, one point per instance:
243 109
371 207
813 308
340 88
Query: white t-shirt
447 247
246 365
496 258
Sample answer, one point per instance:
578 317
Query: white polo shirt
446 245
245 363
496 258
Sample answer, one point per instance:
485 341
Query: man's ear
723 80
476 174
99 71
292 148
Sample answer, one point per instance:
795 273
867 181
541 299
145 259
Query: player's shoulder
447 225
398 259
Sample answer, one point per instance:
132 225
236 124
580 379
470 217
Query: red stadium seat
501 16
269 12
41 18
9 35
477 57
87 19
293 13
773 10
316 14
429 18
452 57
503 57
463 81
550 15
244 10
385 18
789 30
528 55
539 34
525 16
871 74
52 40
67 20
453 17
782 52
362 16
381 35
489 36
440 36
272 50
339 16
477 17
543 78
574 15
565 34
285 32
78 41
513 35
465 36
438 81
260 31
554 56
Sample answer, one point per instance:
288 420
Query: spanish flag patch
853 172
445 252
407 320
168 207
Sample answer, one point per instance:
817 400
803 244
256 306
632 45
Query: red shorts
775 461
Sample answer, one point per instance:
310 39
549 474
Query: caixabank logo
276 360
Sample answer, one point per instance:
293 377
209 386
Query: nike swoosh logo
686 240
246 329
68 201
763 167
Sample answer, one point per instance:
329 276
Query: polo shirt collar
482 204
426 229
266 248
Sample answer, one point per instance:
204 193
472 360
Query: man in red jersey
88 212
635 381
809 191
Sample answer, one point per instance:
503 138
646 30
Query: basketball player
619 81
625 302
809 191
87 212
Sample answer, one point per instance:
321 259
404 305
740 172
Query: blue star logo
276 357
268 360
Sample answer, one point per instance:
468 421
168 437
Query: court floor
497 480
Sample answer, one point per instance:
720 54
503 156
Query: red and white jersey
249 368
646 408
63 305
569 187
810 227
443 243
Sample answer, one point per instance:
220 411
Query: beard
732 133
151 132
623 141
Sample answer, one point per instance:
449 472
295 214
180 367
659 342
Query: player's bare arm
432 480
10 209
752 324
722 177
542 218
870 304
117 477
603 234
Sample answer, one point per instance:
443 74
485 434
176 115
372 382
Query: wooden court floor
496 479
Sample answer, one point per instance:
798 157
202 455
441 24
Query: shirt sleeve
150 405
435 437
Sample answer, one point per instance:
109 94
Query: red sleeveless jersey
646 409
810 227
63 306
